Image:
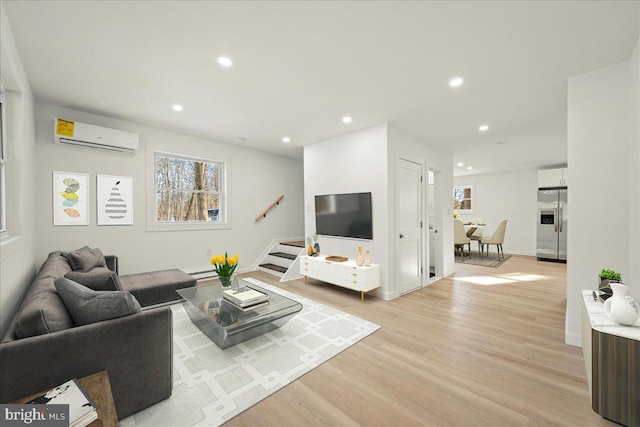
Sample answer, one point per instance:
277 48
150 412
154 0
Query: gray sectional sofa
44 347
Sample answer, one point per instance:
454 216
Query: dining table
471 228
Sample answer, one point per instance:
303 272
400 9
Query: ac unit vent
97 137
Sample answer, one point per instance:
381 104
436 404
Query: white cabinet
346 274
552 178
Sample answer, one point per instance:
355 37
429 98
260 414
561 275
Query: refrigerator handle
560 218
555 220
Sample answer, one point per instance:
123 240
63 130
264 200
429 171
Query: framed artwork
115 200
70 198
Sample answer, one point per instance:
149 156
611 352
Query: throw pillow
100 281
88 306
86 259
66 254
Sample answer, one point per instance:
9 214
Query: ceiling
299 67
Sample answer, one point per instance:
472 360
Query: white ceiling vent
96 137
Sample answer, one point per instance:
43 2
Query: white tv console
346 274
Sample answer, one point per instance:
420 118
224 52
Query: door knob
402 235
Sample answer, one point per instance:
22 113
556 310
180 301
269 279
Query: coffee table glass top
227 325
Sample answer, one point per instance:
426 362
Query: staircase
282 260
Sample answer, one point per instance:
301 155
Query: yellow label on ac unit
65 127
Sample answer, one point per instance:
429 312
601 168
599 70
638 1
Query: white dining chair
477 236
497 238
460 238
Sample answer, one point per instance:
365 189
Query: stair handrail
273 205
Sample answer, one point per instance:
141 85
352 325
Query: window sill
9 245
182 226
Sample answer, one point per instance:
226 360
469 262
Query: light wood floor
456 353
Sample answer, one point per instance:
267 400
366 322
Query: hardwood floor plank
484 347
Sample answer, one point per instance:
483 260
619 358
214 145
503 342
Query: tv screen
344 215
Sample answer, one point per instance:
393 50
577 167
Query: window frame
471 198
223 222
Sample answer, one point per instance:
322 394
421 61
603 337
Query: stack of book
245 298
82 409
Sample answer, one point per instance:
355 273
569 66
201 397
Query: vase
367 259
226 281
617 307
359 257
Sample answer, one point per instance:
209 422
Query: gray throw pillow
97 281
66 254
86 259
88 306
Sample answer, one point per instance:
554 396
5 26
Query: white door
409 232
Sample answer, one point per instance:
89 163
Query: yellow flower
217 259
233 260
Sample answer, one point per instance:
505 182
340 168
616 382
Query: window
463 199
3 163
188 190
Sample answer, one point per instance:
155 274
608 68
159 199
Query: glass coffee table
225 324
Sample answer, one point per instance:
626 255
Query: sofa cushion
156 287
86 259
88 306
42 310
96 279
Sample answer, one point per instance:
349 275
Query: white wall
17 252
510 195
404 145
633 276
366 161
600 144
351 163
257 179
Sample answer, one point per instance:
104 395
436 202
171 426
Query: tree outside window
463 199
188 190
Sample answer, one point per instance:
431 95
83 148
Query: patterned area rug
490 260
211 386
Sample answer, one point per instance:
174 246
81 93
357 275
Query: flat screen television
344 215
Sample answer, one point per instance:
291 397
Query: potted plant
607 276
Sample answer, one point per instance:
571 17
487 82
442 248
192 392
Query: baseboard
573 339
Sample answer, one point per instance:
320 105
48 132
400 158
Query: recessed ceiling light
177 107
240 140
483 128
286 139
346 119
456 82
224 61
460 164
469 168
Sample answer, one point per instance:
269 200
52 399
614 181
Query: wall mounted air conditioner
98 137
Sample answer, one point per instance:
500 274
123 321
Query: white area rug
211 386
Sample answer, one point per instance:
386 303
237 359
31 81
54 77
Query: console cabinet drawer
346 274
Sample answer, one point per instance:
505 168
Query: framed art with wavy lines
70 198
115 200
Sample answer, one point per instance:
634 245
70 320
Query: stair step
298 244
274 267
283 255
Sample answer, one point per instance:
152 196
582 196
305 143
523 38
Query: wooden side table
612 358
99 388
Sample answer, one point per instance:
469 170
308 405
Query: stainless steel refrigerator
552 224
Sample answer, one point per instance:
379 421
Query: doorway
434 245
409 226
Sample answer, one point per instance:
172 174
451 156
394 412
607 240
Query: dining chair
460 238
477 236
497 238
